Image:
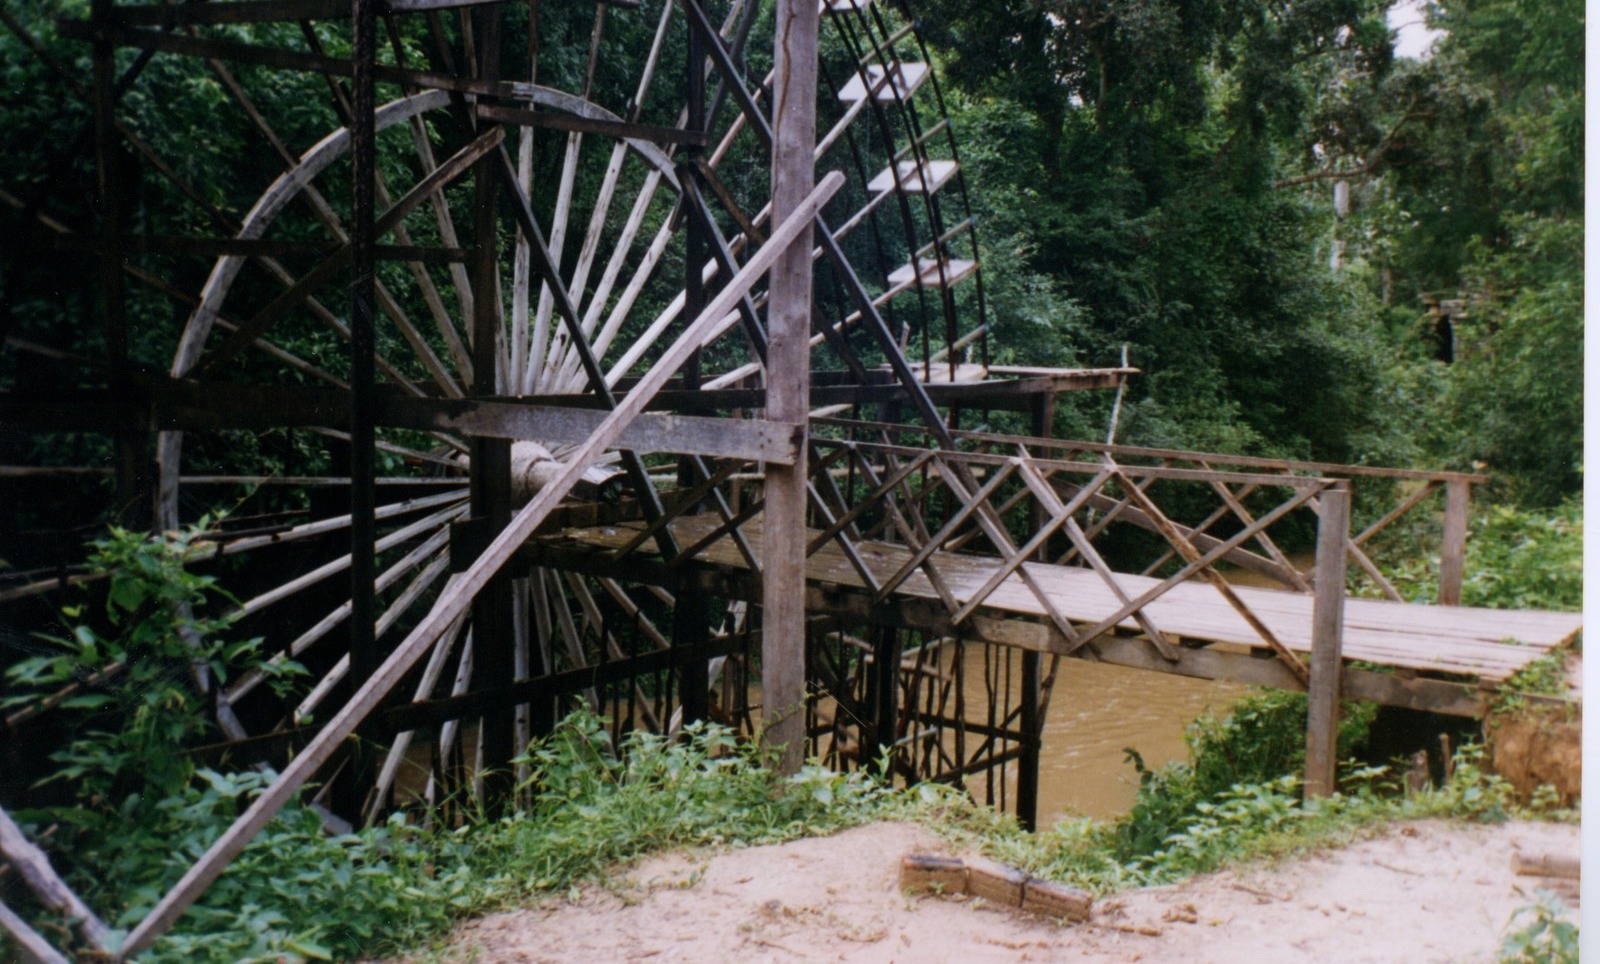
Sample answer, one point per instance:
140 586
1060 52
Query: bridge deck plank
1487 644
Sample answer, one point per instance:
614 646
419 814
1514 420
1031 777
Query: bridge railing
969 522
951 544
1435 505
970 527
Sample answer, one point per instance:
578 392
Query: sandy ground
1429 891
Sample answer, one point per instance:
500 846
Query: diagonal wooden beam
1193 555
912 537
1052 503
1212 555
1405 506
710 323
549 270
34 867
963 488
1262 539
943 536
685 500
1060 515
846 545
33 949
880 490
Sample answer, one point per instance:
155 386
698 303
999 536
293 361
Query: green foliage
1546 675
596 805
1260 742
1246 820
1159 171
295 892
298 892
1547 935
136 707
1516 559
1472 793
1518 381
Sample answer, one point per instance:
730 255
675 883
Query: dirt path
1429 891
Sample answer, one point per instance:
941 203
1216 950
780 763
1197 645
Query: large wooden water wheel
555 192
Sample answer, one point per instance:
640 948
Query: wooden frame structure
621 483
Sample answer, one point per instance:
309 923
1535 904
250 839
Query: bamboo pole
35 869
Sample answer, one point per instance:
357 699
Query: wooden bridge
1471 647
1032 546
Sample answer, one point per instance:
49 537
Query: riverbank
1429 890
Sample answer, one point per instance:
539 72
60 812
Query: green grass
298 893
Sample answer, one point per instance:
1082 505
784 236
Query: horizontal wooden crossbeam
191 406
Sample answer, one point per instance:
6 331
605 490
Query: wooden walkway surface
1486 644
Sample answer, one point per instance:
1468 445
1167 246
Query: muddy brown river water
1097 711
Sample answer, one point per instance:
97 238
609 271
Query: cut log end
995 882
1049 899
931 874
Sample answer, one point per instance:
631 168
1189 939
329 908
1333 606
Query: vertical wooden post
691 611
1032 726
1031 721
1453 546
363 370
493 636
1327 630
783 614
134 506
885 678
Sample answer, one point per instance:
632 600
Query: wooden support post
1453 545
783 613
363 370
494 636
691 612
691 641
1327 630
111 182
885 689
1032 721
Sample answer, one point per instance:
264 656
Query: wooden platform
1481 645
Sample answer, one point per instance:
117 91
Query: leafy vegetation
1150 173
1516 559
133 811
1547 935
129 830
1165 839
121 676
1161 174
298 891
1259 742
